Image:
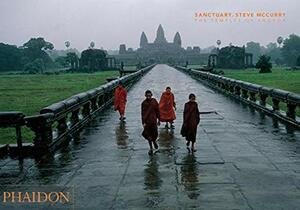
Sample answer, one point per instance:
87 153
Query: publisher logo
37 197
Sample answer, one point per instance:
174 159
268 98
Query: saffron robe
191 119
150 115
166 107
120 99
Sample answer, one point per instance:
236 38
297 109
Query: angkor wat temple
161 51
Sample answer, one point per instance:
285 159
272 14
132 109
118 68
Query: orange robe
120 100
166 107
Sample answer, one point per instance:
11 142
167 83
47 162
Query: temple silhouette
161 51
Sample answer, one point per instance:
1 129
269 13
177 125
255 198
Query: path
245 160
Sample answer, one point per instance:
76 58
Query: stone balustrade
12 120
253 94
60 122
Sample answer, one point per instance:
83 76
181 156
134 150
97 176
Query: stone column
62 125
75 117
275 104
86 109
41 125
291 111
252 96
245 94
263 98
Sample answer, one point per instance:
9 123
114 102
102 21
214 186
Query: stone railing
253 94
62 121
12 120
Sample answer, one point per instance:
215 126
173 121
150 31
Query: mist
114 22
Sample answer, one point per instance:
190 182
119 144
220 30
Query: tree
298 61
35 49
274 52
271 46
92 45
10 58
67 44
231 57
35 66
264 64
291 49
93 60
255 49
54 54
62 61
72 58
38 44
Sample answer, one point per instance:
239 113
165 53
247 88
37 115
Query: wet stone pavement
244 159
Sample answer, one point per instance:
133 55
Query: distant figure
120 100
166 107
150 120
191 119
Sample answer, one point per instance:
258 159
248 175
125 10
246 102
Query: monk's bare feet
155 145
188 146
189 150
150 152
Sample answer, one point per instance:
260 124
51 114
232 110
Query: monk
191 119
166 107
120 100
150 120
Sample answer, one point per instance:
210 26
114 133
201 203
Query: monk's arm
157 110
115 99
143 114
197 115
125 94
161 98
174 103
184 113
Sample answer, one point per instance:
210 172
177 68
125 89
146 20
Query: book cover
149 104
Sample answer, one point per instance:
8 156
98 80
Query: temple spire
177 39
143 40
160 35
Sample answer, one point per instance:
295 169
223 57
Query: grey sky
111 22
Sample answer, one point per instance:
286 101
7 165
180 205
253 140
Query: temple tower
177 39
160 35
143 40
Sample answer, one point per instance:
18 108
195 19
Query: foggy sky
110 23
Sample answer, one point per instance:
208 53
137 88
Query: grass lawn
30 93
279 78
130 68
195 66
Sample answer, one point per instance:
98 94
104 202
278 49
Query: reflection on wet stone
290 130
275 124
152 179
121 135
189 176
166 137
76 137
